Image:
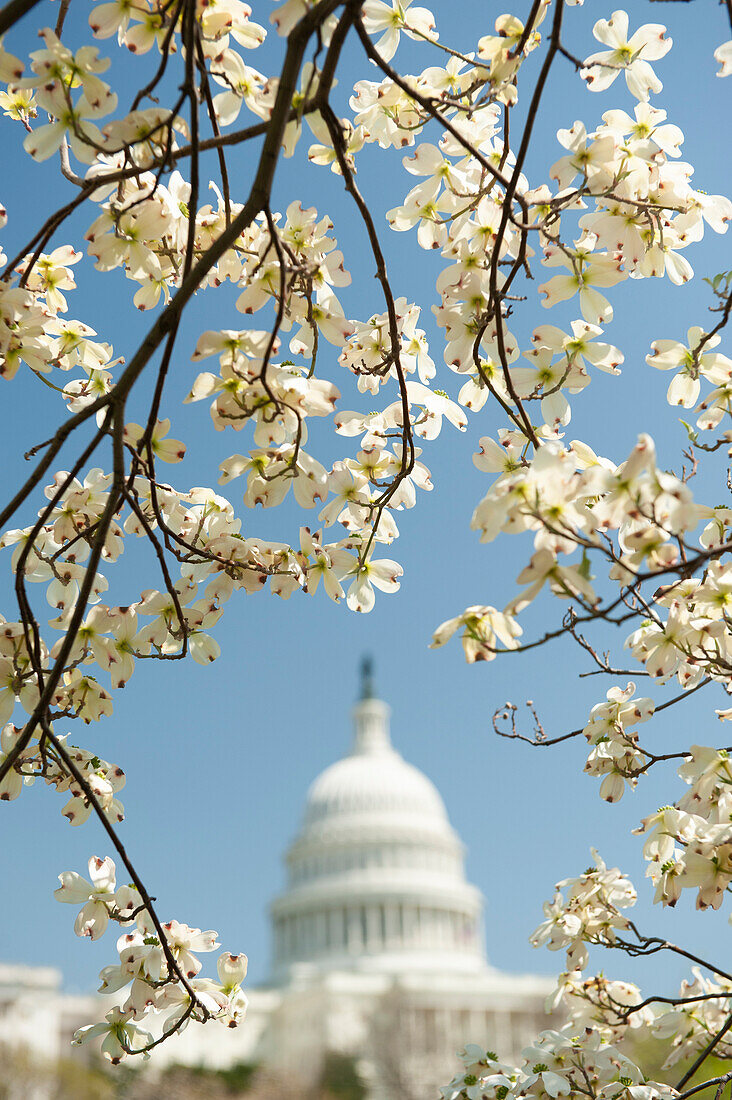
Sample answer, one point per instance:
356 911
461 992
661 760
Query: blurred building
378 945
37 1021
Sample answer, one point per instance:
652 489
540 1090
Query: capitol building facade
378 944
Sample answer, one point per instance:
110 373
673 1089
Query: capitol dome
374 780
376 878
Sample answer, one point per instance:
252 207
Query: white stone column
372 928
321 933
482 1035
452 939
353 926
443 1030
410 923
444 928
391 925
382 926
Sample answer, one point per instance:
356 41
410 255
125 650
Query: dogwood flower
589 271
483 628
98 896
629 55
121 1036
369 574
393 18
685 386
723 54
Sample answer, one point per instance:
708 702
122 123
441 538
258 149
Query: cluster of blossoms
619 204
700 1015
689 844
160 966
608 1007
590 912
694 363
613 1011
573 501
560 1063
615 753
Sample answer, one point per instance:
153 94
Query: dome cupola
375 875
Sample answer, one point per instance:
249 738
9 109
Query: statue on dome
367 678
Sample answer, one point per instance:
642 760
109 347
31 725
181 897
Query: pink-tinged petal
361 594
666 354
7 705
10 786
612 787
431 234
445 631
556 410
102 873
11 68
723 55
559 289
684 391
92 920
89 1031
642 80
204 941
387 44
232 969
45 140
554 1083
127 899
74 888
105 20
205 385
651 40
597 76
139 39
594 307
112 979
148 296
426 160
612 32
678 269
112 1048
332 586
169 450
203 648
121 669
384 574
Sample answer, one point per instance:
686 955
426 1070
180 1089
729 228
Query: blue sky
218 760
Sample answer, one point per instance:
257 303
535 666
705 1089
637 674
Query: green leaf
691 432
584 568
